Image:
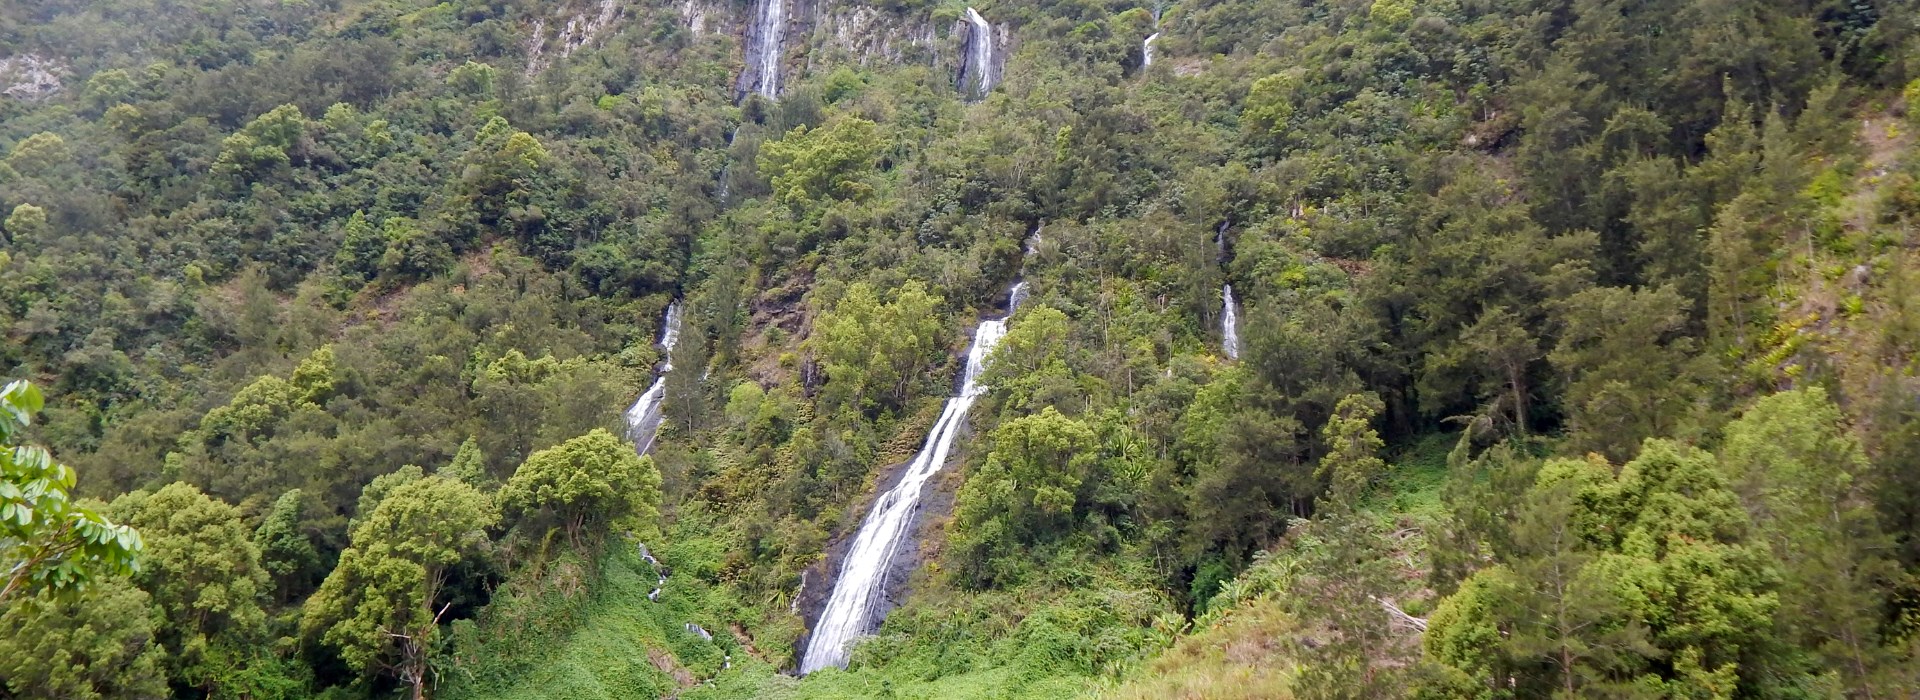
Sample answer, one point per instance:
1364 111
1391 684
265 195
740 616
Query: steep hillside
835 348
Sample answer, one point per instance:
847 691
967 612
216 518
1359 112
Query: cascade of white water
857 592
643 417
979 70
763 48
1229 324
1146 50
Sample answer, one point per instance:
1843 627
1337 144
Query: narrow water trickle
1229 313
643 417
1229 324
858 591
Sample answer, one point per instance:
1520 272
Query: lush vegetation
1579 345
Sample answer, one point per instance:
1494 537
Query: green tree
1029 367
833 161
506 170
1625 356
361 246
39 154
286 551
469 466
1644 580
48 541
204 575
1465 641
1352 460
1807 482
265 148
27 224
412 253
874 353
1505 350
586 486
382 486
95 645
381 607
1025 493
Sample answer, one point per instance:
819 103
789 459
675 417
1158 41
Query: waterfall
1229 324
1146 50
857 593
979 69
643 418
763 50
1019 294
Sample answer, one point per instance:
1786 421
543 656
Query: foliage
874 352
381 606
286 552
1647 578
97 643
307 257
1030 490
49 541
203 573
808 167
588 486
1352 460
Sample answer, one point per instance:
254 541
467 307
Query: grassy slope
590 640
1245 650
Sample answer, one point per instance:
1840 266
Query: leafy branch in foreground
49 541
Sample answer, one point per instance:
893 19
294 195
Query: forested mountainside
836 348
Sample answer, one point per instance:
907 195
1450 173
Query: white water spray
1229 324
763 48
979 69
643 418
1146 50
857 592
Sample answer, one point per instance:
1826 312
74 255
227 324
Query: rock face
30 76
865 35
781 41
582 27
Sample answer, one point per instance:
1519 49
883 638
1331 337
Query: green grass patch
571 635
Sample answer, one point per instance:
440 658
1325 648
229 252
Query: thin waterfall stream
1229 323
858 591
1229 312
643 417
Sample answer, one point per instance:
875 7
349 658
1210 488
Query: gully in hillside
858 593
643 418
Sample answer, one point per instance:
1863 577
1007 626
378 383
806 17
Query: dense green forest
1576 347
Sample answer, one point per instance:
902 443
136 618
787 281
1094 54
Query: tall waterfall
857 591
763 50
977 77
1229 324
1146 50
643 418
